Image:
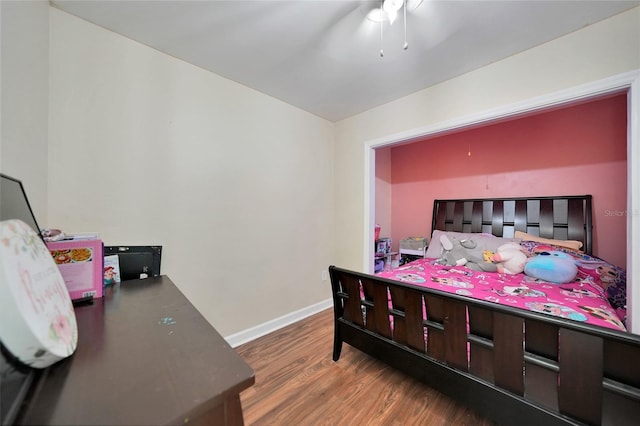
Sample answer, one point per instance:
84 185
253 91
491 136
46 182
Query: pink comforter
581 300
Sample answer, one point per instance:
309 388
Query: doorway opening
628 83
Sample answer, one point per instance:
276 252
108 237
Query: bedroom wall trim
260 330
633 204
628 82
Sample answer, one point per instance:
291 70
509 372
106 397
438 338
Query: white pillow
485 241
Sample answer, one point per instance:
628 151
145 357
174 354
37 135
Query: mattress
585 299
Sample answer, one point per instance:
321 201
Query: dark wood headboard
563 217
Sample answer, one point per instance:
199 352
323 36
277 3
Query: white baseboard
252 333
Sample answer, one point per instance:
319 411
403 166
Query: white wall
605 49
24 38
237 186
383 192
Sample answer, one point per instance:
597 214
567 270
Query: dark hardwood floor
297 383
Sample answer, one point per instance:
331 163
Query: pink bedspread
580 300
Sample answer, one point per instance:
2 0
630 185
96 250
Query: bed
510 364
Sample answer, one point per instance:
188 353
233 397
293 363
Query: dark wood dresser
145 356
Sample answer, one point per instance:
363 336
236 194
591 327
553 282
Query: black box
136 261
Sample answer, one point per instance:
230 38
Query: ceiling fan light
392 14
377 15
392 6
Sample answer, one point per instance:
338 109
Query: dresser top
145 356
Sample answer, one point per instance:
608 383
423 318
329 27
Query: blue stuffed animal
552 266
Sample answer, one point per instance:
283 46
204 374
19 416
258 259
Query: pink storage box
80 263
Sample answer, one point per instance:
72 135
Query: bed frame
510 365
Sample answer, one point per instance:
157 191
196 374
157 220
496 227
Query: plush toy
552 266
509 259
465 252
453 254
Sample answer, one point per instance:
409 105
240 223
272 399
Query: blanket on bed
584 299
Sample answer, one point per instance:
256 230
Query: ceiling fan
388 12
357 30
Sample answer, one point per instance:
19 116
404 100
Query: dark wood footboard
510 365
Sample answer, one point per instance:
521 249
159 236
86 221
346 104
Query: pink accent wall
581 149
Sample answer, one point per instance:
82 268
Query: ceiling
323 56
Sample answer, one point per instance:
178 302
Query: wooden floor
297 383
